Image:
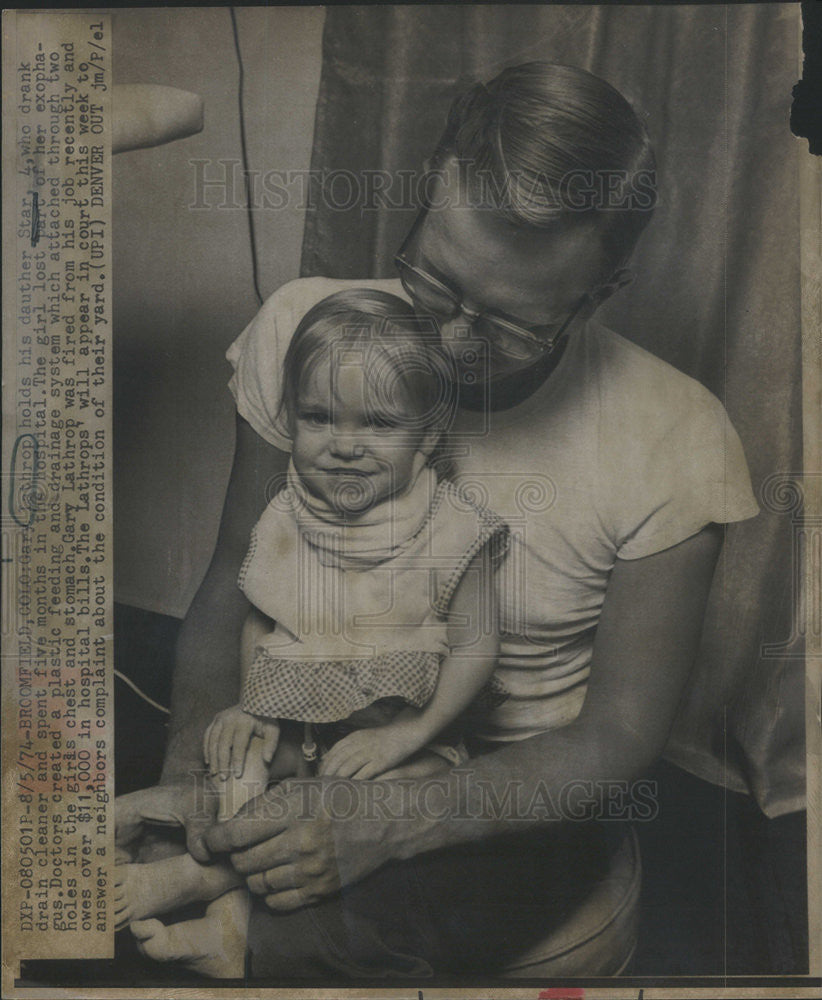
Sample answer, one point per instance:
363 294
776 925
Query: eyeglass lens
445 305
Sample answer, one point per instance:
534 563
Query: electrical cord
141 694
244 147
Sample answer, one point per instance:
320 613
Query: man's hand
293 851
187 803
226 741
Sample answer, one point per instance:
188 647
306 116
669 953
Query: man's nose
458 328
459 338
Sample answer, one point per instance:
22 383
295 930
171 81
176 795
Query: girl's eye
382 422
315 418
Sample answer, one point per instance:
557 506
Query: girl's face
347 449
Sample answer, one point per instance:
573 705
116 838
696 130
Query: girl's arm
473 642
474 646
255 627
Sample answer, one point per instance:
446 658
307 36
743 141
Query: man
617 470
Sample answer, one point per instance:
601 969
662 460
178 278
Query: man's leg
470 910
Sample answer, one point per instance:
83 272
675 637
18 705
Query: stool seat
599 937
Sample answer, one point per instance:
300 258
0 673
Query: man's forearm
206 674
567 775
207 668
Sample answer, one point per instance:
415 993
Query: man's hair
406 370
542 142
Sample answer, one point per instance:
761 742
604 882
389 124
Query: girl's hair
542 141
407 372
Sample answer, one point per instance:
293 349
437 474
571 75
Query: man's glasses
504 333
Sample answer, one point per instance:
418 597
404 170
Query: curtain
718 278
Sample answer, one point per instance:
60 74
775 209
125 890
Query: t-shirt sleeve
690 472
257 359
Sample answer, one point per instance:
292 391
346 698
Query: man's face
537 277
348 450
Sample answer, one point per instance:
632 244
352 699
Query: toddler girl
373 622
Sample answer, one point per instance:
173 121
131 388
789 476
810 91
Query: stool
599 937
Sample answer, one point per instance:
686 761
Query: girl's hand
226 741
368 753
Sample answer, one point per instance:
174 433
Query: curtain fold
717 289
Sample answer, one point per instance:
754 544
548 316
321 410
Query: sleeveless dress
360 604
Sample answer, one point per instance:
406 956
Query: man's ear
619 279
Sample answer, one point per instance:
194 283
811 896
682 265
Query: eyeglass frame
544 348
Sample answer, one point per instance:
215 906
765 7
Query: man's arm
206 672
646 642
645 646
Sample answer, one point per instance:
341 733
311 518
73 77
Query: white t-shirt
617 454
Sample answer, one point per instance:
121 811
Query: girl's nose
347 446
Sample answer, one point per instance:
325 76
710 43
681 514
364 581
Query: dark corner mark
35 218
557 993
806 111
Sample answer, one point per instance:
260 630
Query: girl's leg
215 945
147 890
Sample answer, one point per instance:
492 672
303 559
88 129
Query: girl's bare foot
161 886
213 946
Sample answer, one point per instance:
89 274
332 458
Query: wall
183 275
